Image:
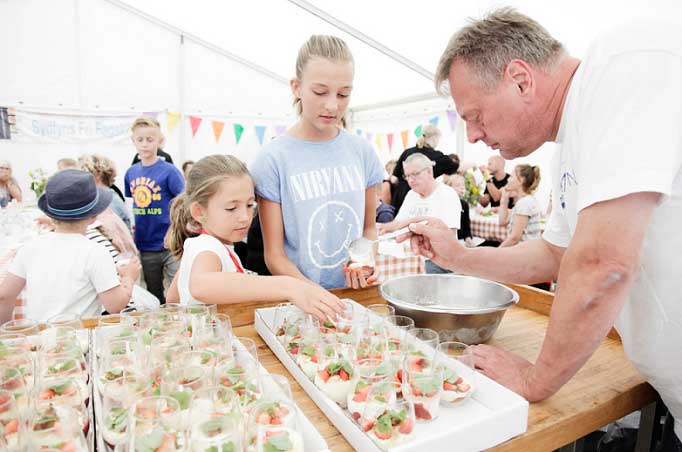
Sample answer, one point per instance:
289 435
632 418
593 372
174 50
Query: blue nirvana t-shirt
152 189
321 189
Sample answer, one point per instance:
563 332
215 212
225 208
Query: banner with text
50 128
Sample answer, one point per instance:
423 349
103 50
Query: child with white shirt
213 213
64 272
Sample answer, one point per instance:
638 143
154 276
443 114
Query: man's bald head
496 163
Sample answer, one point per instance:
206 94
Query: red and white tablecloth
487 228
389 267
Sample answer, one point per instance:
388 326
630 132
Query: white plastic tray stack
491 416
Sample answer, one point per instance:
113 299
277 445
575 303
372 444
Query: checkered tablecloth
388 267
487 228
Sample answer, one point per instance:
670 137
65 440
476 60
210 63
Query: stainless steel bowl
461 308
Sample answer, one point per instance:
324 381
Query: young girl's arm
273 240
172 294
9 291
514 237
118 297
504 213
210 285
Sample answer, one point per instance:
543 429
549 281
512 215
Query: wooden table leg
647 422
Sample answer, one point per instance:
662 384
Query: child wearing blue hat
64 272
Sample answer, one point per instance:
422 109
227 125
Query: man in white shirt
427 197
613 238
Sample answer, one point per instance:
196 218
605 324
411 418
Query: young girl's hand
313 299
359 278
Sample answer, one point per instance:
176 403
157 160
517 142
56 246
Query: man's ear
521 75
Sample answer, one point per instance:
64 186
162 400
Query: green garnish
308 350
183 398
213 427
279 442
117 419
59 389
150 442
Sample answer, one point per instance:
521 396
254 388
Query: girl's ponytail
180 228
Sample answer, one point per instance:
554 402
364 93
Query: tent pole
197 40
315 11
182 97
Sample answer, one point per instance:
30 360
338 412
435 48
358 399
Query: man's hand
433 240
505 368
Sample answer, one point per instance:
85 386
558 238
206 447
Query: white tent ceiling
92 57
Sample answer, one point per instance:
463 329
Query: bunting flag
260 133
452 119
217 129
172 120
195 122
238 130
280 130
434 121
403 135
369 136
418 131
389 137
379 141
152 114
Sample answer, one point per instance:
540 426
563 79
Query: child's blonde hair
145 121
322 46
203 182
430 137
99 166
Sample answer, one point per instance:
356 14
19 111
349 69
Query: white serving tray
491 416
312 439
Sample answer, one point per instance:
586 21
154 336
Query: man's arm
494 192
597 271
596 275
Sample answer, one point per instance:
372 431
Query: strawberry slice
344 375
464 387
282 411
417 365
356 416
449 386
361 395
324 375
12 427
459 381
294 351
47 394
399 375
381 435
263 418
406 426
421 412
276 421
367 425
314 359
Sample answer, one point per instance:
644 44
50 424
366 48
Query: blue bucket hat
72 195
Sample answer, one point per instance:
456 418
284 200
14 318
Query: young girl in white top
213 213
317 184
523 221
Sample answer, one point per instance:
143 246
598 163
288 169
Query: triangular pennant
238 130
195 122
434 121
452 119
418 131
152 114
389 137
369 136
172 121
280 130
260 133
217 129
403 135
378 140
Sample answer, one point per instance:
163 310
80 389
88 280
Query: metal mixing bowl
461 308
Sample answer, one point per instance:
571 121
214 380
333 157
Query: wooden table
605 389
